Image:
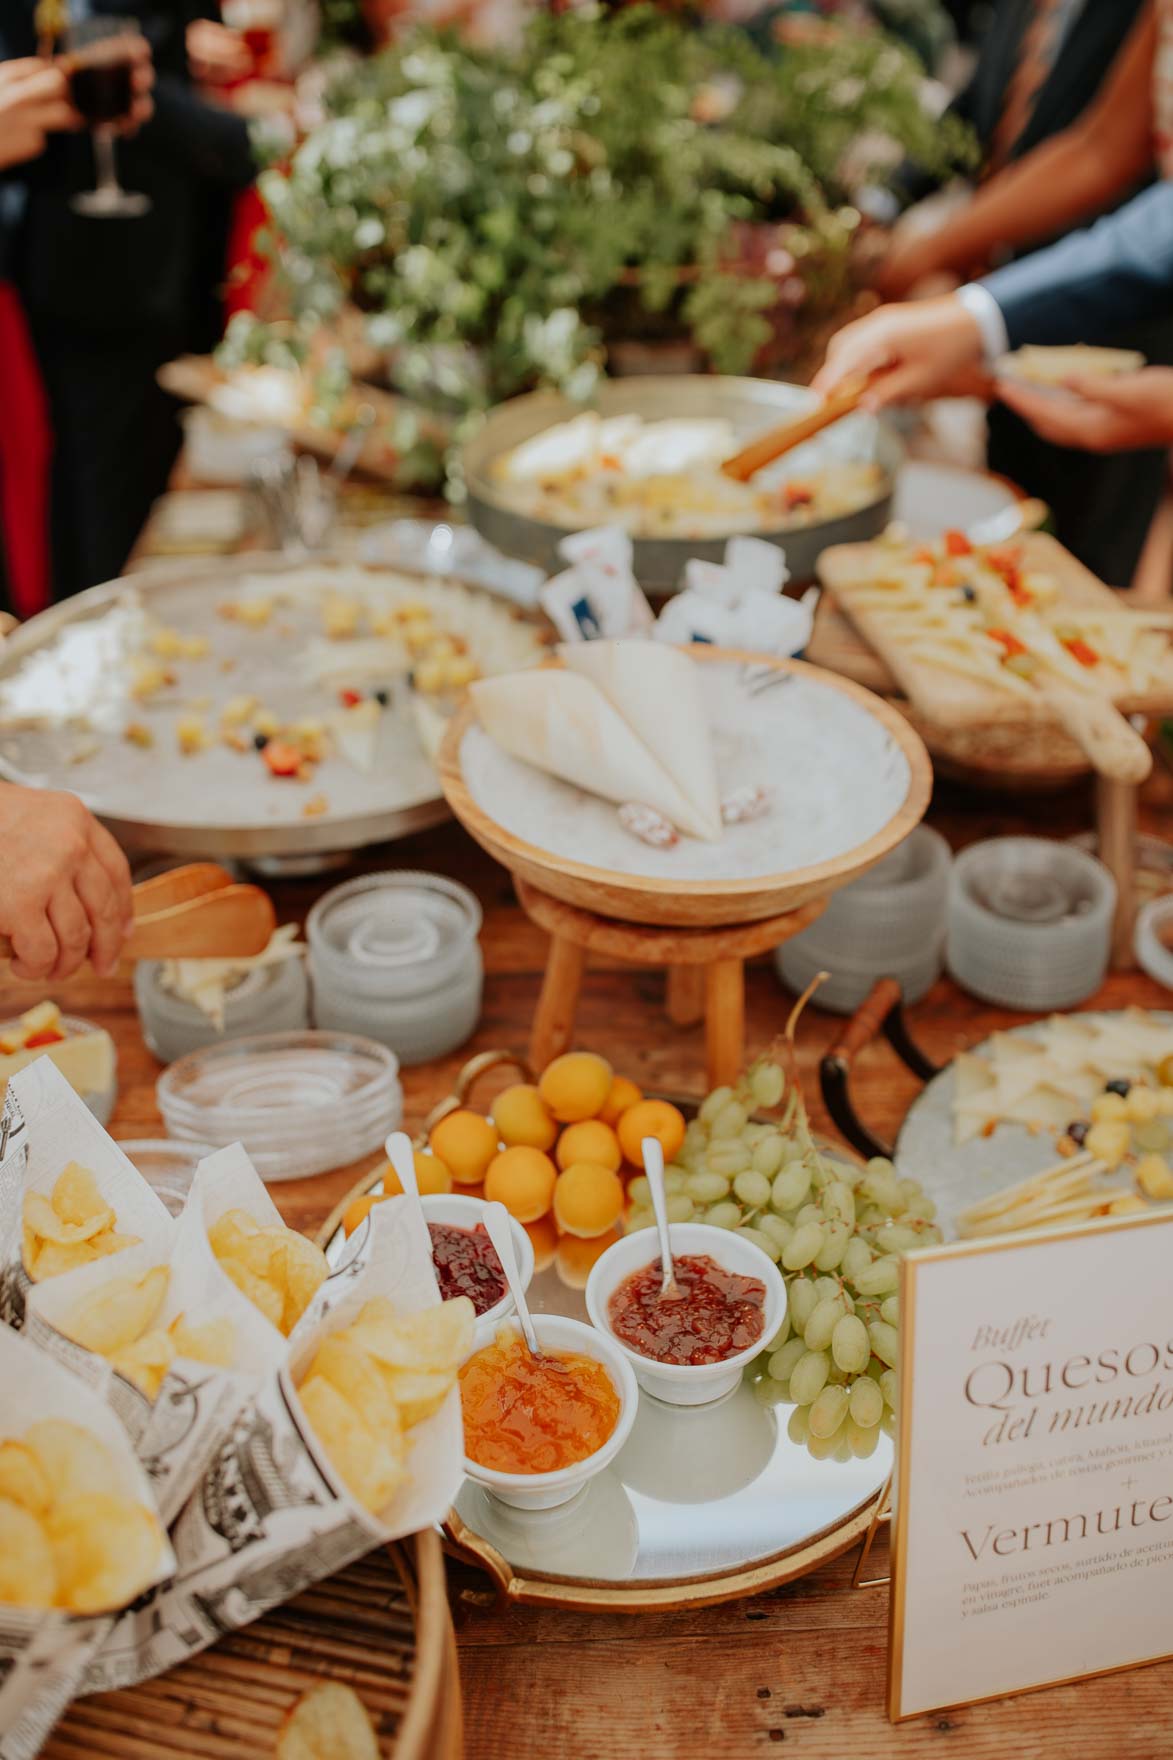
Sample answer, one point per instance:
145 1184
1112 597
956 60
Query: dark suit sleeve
212 143
1093 283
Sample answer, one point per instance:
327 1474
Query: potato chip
260 1252
418 1393
146 1361
76 1196
304 1269
28 1574
342 1361
432 1338
43 1220
117 1312
211 1341
23 1479
226 1234
362 1460
106 1549
265 1296
73 1459
53 1258
330 1722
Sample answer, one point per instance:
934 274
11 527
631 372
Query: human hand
1119 414
906 263
216 55
65 890
34 103
143 82
915 351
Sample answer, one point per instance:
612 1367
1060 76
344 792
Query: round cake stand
705 967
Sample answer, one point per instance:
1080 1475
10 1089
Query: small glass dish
168 1167
269 999
396 956
301 1103
91 1070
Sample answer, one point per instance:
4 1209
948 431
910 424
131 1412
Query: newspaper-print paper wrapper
44 1654
598 597
59 1128
739 603
271 1515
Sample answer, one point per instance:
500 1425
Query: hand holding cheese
65 890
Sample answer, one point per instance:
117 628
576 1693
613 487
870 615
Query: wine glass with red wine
101 85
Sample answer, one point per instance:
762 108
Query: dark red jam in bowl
467 1265
718 1313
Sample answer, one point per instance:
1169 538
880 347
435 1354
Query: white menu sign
1033 1507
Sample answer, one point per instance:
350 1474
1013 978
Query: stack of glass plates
271 998
397 956
301 1103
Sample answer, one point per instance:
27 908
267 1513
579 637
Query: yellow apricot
576 1086
520 1116
651 1118
588 1199
523 1180
576 1258
589 1141
543 1238
624 1093
466 1143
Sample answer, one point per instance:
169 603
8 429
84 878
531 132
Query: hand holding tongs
196 912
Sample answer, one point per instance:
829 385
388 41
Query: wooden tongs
771 445
196 912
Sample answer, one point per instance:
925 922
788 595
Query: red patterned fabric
248 270
26 444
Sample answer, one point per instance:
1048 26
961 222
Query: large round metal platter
750 406
849 780
956 1175
218 802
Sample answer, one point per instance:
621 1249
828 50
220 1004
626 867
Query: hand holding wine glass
108 62
34 103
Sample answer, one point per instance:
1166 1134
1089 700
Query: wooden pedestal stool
705 967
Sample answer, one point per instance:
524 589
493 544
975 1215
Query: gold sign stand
881 1519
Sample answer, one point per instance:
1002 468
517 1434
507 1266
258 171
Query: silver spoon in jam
670 1290
500 1231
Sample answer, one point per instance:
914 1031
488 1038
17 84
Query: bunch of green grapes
836 1230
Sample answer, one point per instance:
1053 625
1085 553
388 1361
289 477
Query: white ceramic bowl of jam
556 1334
452 1210
685 1383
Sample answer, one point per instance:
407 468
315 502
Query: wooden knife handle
1102 732
769 446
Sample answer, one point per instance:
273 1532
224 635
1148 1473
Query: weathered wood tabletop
802 1667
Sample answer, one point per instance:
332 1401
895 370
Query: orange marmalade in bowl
526 1414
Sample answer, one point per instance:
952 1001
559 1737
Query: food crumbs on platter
648 825
745 804
526 1414
718 1314
315 807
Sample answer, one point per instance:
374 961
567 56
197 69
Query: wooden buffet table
800 1668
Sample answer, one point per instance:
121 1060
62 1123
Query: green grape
709 1108
769 1247
803 1245
780 1337
827 1411
680 1208
767 1084
880 1164
921 1208
883 1194
888 1424
797 1429
890 1310
706 1188
834 1247
823 1321
842 1448
821 1448
879 1279
755 1132
776 1227
850 1345
808 1377
730 1121
782 1361
791 1187
673 1180
810 1213
639 1218
769 1392
828 1286
752 1188
802 1296
895 1238
724 1215
768 1154
930 1236
696 1137
885 1342
640 1192
839 1202
727 1157
867 1403
861 1438
888 1388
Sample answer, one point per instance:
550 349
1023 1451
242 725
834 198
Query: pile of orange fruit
557 1154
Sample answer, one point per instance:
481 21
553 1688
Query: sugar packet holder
271 1517
44 1653
598 597
53 1127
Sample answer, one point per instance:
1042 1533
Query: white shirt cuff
981 305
